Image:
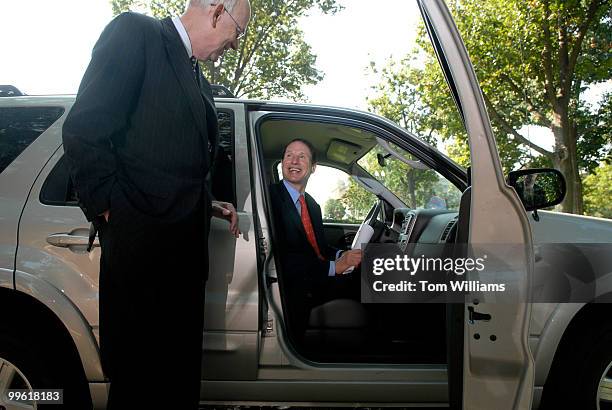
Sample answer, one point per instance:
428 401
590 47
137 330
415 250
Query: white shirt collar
183 33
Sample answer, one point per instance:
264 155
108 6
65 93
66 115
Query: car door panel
18 177
64 278
497 372
231 338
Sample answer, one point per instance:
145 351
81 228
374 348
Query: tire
593 374
580 372
41 363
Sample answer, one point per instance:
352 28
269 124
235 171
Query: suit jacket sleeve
106 97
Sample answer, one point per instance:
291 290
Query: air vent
406 224
447 230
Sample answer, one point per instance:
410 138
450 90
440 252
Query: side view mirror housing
539 187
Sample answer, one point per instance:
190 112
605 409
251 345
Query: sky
49 54
46 45
345 44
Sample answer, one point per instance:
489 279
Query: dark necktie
310 235
196 69
196 72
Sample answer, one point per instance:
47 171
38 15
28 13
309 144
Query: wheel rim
12 378
604 391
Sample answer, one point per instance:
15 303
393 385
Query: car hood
558 227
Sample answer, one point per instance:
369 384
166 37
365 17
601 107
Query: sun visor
343 152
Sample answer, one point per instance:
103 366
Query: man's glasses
239 30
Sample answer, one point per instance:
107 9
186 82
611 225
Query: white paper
363 236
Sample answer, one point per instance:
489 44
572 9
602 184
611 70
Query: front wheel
31 362
604 390
11 379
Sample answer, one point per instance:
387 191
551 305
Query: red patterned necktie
310 235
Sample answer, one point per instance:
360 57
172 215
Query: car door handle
66 240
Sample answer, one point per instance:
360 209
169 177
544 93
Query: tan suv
401 355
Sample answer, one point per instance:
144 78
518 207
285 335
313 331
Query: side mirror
539 187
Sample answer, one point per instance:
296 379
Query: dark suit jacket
141 121
298 259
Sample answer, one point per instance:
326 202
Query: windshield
417 188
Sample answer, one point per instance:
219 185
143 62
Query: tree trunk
412 189
566 160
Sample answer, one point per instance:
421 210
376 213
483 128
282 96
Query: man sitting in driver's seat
309 265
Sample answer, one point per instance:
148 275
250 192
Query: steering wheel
372 216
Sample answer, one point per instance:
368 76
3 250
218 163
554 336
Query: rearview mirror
539 187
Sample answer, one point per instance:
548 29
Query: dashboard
428 226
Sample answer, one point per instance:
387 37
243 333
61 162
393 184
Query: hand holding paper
363 236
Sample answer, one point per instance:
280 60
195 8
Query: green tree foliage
272 60
399 98
534 59
598 192
334 210
357 201
459 151
596 134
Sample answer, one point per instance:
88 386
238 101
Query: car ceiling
336 145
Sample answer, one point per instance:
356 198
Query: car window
58 189
20 126
417 188
341 198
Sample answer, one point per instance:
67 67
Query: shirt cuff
332 268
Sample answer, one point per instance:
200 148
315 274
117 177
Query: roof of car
63 99
68 99
71 97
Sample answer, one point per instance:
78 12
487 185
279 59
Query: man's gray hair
228 4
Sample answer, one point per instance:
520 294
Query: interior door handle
271 279
66 240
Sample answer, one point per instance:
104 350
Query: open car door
490 364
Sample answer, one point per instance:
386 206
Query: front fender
69 315
551 336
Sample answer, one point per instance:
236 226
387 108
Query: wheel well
588 324
32 318
587 321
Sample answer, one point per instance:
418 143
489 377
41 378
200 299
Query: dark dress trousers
306 277
138 140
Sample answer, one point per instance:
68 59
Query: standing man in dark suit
306 259
140 140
